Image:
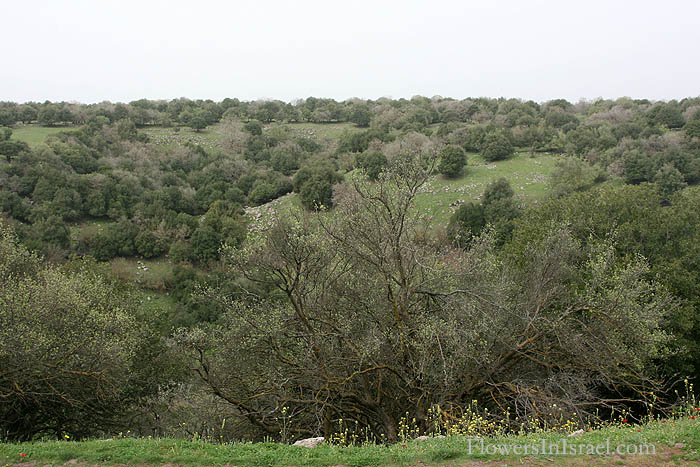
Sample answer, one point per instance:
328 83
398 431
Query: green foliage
667 114
148 245
117 239
254 127
639 167
669 180
11 149
226 219
643 226
126 130
71 349
496 191
316 193
327 324
452 161
497 146
373 163
468 221
498 208
195 119
361 115
5 133
692 128
180 251
561 119
53 230
105 189
205 243
262 193
314 184
471 138
359 141
571 175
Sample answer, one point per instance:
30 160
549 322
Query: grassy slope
35 135
209 138
455 450
527 174
322 130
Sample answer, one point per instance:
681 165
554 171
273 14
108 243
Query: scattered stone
310 442
679 445
425 438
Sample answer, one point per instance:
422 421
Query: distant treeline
414 113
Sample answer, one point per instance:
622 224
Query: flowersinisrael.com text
562 447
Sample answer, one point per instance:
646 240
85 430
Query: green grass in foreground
454 450
35 135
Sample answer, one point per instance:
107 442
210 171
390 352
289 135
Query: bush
148 245
205 244
372 163
692 128
316 193
262 193
467 222
180 251
669 180
497 147
74 357
572 174
452 161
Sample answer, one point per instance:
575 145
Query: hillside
268 271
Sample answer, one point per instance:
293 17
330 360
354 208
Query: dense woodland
348 307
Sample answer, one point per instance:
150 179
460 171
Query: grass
660 438
322 130
87 228
208 138
526 172
149 274
34 135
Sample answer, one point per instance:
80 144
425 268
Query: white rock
310 442
576 433
425 438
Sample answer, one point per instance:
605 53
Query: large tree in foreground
373 321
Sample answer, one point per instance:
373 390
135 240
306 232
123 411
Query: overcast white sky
95 50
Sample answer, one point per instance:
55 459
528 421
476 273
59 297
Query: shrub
467 222
148 245
452 161
372 163
74 357
497 147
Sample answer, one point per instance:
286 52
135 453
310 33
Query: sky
92 51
